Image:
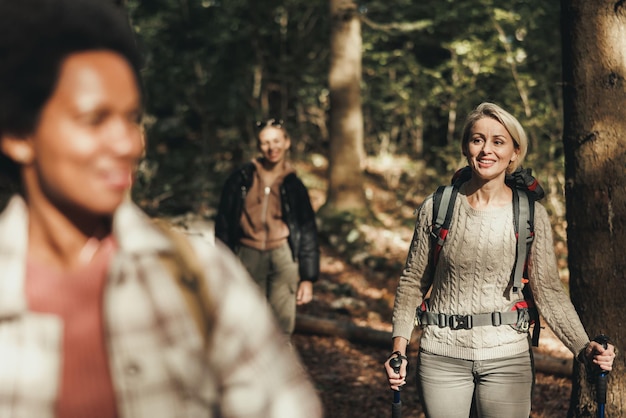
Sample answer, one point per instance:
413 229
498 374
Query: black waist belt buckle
460 321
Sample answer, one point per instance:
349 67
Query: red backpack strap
443 206
522 179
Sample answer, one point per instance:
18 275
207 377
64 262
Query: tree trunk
345 171
417 133
594 66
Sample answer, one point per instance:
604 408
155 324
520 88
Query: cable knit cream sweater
473 276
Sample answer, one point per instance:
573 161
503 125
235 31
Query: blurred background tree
346 154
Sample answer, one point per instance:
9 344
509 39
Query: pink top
76 296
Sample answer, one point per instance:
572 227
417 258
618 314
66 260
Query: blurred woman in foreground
93 324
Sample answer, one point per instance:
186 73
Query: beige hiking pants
276 273
499 388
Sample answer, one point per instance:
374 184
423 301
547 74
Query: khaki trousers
498 388
276 273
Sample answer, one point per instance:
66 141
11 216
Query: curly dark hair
35 38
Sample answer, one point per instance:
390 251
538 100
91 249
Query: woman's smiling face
85 147
273 144
490 149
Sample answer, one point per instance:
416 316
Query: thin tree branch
398 26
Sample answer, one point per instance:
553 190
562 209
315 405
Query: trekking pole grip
603 340
601 379
396 407
395 364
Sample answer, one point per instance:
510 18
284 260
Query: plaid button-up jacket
157 359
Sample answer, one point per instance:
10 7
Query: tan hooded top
262 217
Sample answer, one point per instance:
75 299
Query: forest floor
349 375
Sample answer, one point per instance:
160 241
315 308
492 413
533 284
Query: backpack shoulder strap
523 220
185 268
443 207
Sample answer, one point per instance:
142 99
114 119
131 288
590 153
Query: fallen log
553 365
306 324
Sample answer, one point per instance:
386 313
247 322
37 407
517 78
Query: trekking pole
601 379
396 406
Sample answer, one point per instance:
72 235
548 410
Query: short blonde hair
512 125
272 123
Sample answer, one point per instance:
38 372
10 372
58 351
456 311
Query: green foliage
467 54
214 67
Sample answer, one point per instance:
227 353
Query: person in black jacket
265 216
